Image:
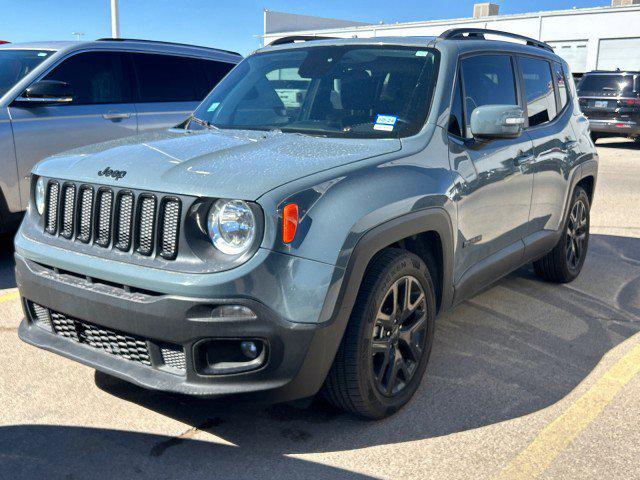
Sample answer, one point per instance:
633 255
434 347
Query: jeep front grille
51 217
86 213
144 224
103 223
124 221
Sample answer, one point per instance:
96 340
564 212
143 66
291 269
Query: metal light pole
115 19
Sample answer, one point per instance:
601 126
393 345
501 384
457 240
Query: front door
494 183
101 110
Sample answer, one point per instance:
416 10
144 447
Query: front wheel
387 343
564 263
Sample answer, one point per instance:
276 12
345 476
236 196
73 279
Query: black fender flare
336 313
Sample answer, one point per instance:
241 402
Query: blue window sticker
213 107
385 122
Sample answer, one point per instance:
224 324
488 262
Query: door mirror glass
47 92
497 121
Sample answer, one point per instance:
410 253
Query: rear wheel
594 137
564 263
387 343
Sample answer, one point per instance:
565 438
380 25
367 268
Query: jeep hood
215 163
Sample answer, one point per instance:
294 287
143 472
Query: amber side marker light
289 222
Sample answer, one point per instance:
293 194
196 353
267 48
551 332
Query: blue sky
229 24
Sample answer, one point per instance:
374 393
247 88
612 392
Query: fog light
229 356
249 350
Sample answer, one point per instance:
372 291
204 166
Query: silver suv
302 230
55 96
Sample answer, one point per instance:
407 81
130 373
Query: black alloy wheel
397 342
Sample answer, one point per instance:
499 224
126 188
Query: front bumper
299 354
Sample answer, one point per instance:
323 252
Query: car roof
320 41
461 45
128 45
613 72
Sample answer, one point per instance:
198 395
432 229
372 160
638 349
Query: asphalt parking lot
527 380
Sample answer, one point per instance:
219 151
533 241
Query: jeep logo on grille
116 174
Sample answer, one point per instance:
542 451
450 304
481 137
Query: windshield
351 91
612 84
15 64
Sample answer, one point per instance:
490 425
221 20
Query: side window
166 78
456 116
563 88
214 72
96 78
488 80
538 87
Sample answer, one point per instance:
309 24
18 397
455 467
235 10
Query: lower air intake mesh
173 356
130 347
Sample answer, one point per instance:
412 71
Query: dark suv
611 101
302 230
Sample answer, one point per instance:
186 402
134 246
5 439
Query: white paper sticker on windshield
385 122
213 107
422 53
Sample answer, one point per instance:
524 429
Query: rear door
169 87
101 110
554 141
494 189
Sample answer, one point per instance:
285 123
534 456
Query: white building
601 38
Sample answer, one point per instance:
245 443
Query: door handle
522 159
116 115
570 144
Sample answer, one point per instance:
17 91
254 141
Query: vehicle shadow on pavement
515 349
7 278
619 144
78 453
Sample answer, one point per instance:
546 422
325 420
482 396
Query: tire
564 263
380 337
594 137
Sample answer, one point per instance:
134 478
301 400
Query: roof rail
479 33
160 42
298 38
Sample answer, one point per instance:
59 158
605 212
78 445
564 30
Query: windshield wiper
202 123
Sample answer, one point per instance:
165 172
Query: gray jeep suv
302 230
55 96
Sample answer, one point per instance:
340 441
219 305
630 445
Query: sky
232 24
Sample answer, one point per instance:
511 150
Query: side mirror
497 121
46 92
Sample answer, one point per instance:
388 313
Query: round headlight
40 195
231 226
